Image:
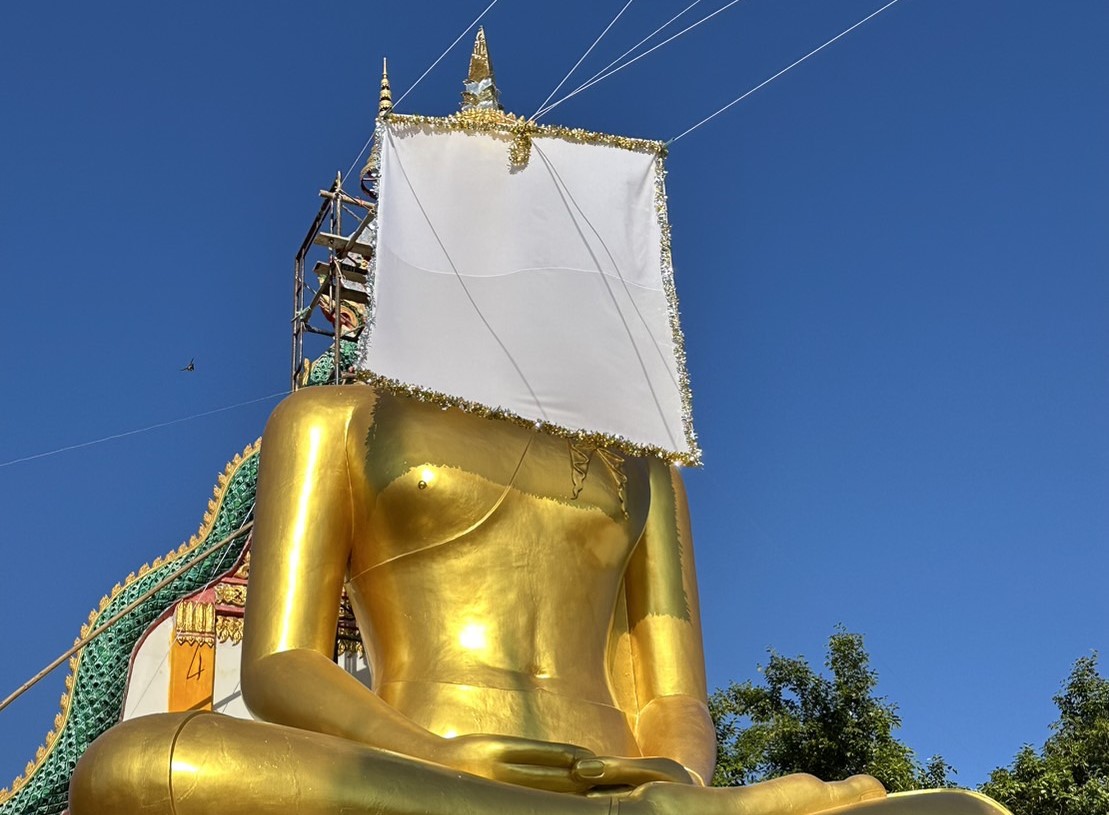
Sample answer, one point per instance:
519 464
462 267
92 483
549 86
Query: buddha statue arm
302 543
672 718
300 550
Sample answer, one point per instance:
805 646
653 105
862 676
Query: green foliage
1070 776
799 721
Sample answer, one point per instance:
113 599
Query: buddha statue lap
532 627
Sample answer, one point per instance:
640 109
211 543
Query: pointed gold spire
480 89
480 66
385 102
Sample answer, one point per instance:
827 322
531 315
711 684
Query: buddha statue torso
485 571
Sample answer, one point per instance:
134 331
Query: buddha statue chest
487 556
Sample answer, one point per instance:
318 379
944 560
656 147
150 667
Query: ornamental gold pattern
229 629
232 594
194 623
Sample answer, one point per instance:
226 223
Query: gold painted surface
533 637
481 67
480 87
385 97
230 598
194 622
186 548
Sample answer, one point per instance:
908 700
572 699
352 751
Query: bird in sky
190 367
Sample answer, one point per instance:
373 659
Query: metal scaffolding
339 285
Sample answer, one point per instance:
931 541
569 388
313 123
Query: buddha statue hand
551 765
617 774
513 760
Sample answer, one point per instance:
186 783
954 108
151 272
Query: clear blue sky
892 266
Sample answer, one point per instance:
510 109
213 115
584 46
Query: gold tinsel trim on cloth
676 334
520 130
186 548
592 438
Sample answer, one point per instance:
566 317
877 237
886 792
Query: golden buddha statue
533 650
529 611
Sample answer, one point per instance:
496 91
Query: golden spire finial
480 89
480 66
385 102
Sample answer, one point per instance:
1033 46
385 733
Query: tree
800 721
1070 775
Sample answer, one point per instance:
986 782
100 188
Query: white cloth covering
535 291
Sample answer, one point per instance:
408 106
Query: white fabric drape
537 291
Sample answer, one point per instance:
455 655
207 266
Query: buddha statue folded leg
202 763
795 794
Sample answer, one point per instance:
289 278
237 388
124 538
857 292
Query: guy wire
766 82
581 59
136 431
624 65
645 39
465 31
